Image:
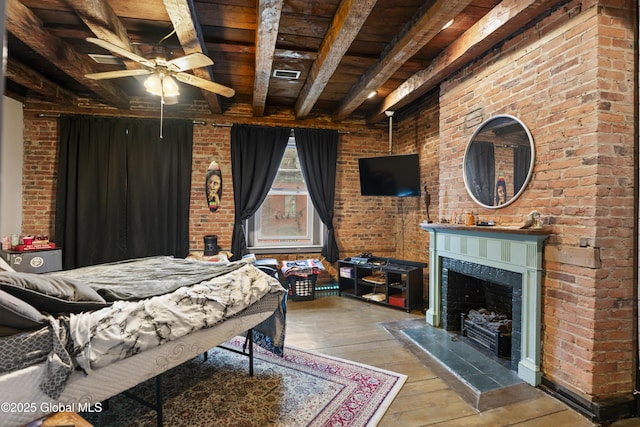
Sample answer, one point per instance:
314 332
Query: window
287 220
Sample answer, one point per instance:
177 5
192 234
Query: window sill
284 250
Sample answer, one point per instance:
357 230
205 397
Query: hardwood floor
351 329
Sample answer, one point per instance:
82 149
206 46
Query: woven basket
302 288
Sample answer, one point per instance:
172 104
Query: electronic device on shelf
363 258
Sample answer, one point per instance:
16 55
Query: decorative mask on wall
213 186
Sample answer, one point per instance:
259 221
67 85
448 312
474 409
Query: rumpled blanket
59 364
126 328
302 268
141 278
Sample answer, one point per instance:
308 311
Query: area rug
300 389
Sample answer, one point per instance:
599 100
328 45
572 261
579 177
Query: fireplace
496 257
468 288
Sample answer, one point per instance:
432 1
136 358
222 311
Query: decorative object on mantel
427 202
533 220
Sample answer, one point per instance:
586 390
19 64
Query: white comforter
128 327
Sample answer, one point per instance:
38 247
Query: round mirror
498 162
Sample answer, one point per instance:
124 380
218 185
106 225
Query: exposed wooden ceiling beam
502 21
427 22
102 21
37 83
182 13
27 27
268 22
346 25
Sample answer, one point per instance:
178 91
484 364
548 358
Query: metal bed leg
158 403
248 341
159 399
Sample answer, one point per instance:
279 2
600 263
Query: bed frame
103 383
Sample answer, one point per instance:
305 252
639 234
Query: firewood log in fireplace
490 320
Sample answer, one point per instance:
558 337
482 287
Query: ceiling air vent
105 59
286 74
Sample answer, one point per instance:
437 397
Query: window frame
315 226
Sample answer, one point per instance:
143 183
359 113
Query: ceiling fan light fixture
170 87
162 85
153 84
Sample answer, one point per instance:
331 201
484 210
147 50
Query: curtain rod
228 125
57 116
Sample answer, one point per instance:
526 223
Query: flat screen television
397 175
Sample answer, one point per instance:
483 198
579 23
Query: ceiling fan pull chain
161 111
161 103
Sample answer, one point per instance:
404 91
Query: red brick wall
39 174
417 132
570 80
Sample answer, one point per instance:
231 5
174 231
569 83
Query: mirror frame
529 172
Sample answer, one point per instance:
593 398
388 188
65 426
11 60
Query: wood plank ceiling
340 50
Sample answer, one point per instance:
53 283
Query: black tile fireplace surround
451 307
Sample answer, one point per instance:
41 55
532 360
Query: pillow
16 314
4 266
52 294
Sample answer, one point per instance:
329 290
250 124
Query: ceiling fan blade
189 62
120 51
116 74
205 84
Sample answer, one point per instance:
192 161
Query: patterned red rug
300 389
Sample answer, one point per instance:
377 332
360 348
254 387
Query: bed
74 338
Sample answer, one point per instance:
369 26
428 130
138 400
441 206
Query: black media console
387 281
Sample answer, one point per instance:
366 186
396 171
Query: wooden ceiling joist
37 83
188 31
494 27
102 21
426 24
345 27
25 25
268 22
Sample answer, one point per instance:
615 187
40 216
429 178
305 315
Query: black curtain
521 165
480 171
122 192
318 154
256 153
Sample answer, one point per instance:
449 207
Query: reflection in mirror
498 162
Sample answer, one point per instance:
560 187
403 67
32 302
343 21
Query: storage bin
346 272
302 288
398 300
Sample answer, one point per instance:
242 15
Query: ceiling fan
162 71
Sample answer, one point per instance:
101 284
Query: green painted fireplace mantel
511 249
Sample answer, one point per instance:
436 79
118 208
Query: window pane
286 219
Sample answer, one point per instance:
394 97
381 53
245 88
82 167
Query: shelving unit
387 281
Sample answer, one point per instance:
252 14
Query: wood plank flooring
351 329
